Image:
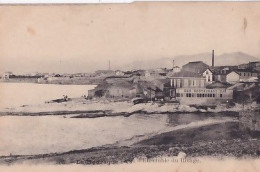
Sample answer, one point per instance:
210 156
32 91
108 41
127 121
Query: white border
96 1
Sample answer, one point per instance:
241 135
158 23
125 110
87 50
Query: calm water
48 134
17 94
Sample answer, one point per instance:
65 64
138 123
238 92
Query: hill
234 58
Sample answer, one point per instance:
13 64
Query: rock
181 155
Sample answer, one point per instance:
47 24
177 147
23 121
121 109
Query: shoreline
83 108
229 144
107 113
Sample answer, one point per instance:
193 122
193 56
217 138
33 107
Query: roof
164 81
116 77
184 73
246 70
254 62
195 63
222 70
147 85
122 85
218 85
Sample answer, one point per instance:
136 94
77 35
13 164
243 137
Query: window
188 95
189 82
214 95
220 95
198 95
178 95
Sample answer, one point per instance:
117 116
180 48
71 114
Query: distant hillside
234 58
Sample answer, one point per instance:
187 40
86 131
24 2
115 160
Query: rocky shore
83 108
218 140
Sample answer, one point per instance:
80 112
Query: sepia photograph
107 85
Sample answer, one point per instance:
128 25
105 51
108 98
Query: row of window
179 83
203 90
196 95
248 74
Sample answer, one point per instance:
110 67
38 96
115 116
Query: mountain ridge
230 59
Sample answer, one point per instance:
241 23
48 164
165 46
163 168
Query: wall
203 96
188 82
209 76
232 78
246 75
121 92
220 78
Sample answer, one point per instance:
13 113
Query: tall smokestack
212 58
172 64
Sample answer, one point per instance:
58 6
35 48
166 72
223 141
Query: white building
208 74
6 75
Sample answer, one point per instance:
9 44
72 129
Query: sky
83 38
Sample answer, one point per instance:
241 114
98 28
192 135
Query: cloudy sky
82 38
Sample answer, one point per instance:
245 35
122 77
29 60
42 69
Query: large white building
191 88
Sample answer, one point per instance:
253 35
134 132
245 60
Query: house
121 91
243 66
176 69
149 90
208 74
195 67
104 73
190 88
253 65
119 73
218 73
116 91
6 75
250 65
186 79
245 74
98 92
232 77
118 79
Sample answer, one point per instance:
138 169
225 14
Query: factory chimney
212 58
172 64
